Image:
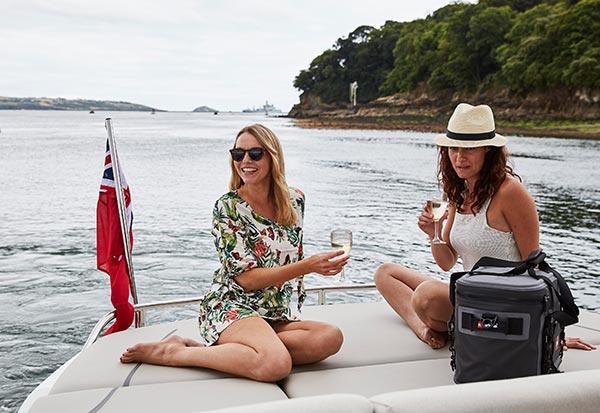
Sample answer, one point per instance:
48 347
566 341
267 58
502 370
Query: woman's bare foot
192 343
188 342
161 352
434 339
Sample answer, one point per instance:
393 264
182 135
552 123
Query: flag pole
122 213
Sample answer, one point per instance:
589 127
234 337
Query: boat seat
99 365
182 396
376 379
569 392
366 375
369 380
373 334
380 354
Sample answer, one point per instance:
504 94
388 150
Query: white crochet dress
472 238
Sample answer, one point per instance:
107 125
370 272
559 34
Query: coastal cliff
561 113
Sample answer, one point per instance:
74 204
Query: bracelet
437 243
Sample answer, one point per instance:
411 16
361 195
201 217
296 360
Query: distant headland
206 109
14 103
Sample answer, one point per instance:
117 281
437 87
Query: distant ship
267 108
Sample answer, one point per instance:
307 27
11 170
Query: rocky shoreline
562 114
398 124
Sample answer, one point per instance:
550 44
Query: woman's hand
426 223
327 263
576 342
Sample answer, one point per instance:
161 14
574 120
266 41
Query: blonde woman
246 323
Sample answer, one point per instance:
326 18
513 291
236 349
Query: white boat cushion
373 378
369 380
568 392
362 325
332 403
187 396
373 334
99 365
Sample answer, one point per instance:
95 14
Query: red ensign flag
110 250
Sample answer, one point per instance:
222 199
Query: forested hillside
519 46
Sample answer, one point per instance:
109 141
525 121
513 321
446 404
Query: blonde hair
285 213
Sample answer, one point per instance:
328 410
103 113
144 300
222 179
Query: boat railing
141 309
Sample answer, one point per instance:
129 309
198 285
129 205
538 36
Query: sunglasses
238 154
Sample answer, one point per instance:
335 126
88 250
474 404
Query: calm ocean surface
372 182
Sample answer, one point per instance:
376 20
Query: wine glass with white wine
342 239
437 206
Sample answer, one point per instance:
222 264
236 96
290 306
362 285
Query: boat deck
382 366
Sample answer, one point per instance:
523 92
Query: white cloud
177 54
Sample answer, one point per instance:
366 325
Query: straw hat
470 127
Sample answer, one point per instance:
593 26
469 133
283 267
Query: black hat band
471 136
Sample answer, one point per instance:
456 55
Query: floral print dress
244 240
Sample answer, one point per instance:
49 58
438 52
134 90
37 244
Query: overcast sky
177 54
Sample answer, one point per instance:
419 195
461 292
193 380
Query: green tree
415 54
553 45
324 77
519 5
487 31
524 45
364 56
467 47
579 52
420 50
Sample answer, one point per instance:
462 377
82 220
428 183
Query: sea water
373 183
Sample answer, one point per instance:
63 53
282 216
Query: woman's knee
424 298
431 302
384 274
331 340
325 341
272 365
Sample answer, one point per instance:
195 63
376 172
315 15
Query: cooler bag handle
496 262
565 292
534 259
517 267
454 277
570 313
537 258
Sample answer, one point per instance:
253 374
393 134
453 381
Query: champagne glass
342 239
437 206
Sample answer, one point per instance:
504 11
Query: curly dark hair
493 172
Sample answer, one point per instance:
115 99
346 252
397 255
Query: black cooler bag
509 319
